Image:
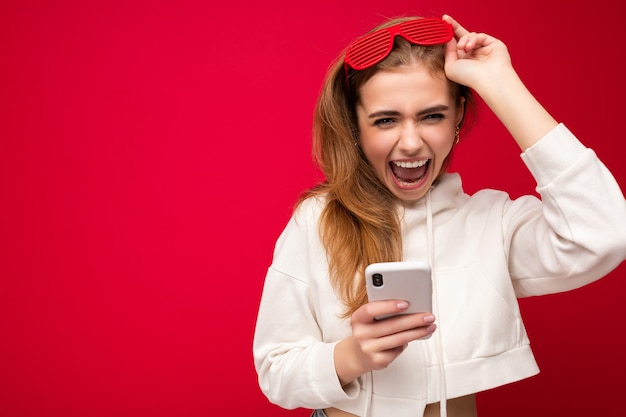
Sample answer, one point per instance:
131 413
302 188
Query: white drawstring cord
369 379
438 342
439 345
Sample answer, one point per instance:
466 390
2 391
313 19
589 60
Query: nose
410 140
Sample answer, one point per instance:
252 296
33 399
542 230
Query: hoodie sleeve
578 232
294 364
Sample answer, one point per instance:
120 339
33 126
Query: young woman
391 111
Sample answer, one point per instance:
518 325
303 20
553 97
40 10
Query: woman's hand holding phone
398 313
376 343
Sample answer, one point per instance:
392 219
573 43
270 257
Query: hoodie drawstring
369 380
369 392
438 341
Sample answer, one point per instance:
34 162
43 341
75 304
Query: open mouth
409 173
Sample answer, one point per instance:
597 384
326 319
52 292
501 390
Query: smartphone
409 280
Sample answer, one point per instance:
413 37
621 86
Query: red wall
150 152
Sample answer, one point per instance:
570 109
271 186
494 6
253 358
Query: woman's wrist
347 365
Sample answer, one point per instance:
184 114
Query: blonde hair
359 224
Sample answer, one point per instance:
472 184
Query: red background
150 152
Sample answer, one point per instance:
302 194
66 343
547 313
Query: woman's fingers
397 330
369 312
381 342
466 41
459 31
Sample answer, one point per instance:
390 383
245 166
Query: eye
384 122
434 117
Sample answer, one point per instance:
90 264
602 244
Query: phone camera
377 280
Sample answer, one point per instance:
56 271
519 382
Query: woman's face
407 120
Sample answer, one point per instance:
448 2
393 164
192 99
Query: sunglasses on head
372 48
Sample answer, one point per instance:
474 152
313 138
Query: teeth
412 164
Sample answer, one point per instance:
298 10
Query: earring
457 135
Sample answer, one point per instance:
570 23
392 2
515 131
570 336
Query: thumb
451 54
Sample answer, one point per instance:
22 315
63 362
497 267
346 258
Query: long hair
359 224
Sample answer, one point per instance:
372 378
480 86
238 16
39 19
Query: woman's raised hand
474 58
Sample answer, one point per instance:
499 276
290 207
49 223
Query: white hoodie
485 250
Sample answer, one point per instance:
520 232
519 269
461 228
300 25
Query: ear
356 135
460 111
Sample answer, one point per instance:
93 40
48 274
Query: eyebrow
429 110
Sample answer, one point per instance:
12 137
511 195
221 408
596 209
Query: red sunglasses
372 48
